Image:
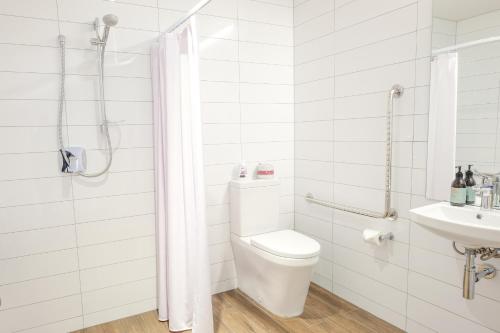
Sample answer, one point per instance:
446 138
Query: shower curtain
184 295
441 144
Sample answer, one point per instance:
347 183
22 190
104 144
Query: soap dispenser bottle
470 183
458 195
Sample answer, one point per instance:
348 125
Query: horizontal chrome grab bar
391 214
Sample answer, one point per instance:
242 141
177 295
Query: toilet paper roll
372 236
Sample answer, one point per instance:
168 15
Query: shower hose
102 106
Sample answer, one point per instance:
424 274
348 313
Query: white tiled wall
247 101
347 56
444 33
77 252
73 251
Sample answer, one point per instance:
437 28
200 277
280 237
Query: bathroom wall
478 94
74 251
444 33
348 54
77 252
247 95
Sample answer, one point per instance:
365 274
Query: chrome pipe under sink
471 273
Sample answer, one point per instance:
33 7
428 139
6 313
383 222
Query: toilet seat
286 244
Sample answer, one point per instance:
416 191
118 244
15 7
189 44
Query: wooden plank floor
234 312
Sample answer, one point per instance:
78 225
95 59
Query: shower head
110 20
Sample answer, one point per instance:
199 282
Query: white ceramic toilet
274 266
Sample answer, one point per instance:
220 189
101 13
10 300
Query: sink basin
469 225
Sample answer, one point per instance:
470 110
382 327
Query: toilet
273 264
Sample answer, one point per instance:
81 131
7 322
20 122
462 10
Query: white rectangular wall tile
36 241
115 252
218 70
265 53
29 31
23 218
262 93
439 319
102 299
308 10
375 80
105 276
356 12
38 265
46 9
219 49
369 305
119 312
114 230
39 314
263 73
265 33
265 12
378 28
115 184
314 28
267 113
34 291
68 325
403 48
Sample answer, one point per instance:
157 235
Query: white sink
469 225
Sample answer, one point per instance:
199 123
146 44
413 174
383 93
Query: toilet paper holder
376 237
387 236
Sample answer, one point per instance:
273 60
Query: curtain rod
192 12
465 45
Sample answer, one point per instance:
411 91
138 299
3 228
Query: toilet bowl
273 265
274 272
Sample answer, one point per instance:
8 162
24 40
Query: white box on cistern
254 206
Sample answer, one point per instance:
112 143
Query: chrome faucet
489 191
487 197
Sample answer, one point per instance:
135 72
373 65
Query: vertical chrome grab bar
389 212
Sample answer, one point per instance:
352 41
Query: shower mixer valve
75 160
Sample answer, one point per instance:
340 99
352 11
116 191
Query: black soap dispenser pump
458 195
470 183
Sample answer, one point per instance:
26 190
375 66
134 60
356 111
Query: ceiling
457 10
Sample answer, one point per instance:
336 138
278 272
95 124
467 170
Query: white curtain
442 126
184 296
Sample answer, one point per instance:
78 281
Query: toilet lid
287 243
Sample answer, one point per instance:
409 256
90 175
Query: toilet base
278 284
